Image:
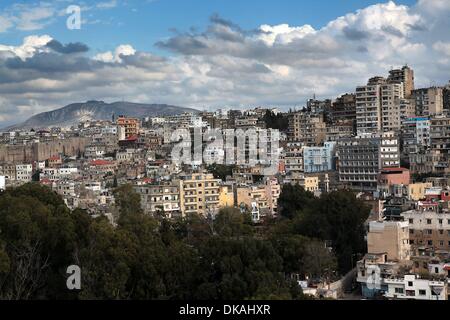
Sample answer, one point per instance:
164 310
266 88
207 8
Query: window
399 290
410 283
422 292
429 221
430 242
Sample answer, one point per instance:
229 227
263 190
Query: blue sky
144 22
210 54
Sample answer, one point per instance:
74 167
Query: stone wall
43 150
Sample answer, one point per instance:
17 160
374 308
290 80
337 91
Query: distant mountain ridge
73 114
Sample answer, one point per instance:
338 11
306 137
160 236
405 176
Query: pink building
394 176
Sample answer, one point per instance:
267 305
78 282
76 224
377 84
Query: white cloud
283 33
109 57
223 65
29 47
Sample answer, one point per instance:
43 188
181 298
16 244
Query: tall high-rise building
368 106
391 98
404 75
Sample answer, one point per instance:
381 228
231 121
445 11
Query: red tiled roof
100 162
132 138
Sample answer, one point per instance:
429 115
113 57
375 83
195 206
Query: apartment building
199 194
405 75
428 101
368 106
131 126
24 172
343 109
309 183
8 170
161 198
307 128
261 198
293 157
319 159
415 134
361 158
391 106
429 226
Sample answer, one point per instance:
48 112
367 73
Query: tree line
144 257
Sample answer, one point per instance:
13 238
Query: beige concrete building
405 76
162 197
429 226
429 101
391 97
390 237
263 197
199 194
416 191
307 128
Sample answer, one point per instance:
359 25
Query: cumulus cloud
226 65
120 52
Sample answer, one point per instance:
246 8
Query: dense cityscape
356 208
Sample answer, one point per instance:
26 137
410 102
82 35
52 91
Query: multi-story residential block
429 101
368 106
429 226
341 129
261 198
161 198
390 150
415 135
319 159
131 125
391 106
405 75
8 170
199 194
307 128
361 158
343 109
309 183
440 143
293 157
24 172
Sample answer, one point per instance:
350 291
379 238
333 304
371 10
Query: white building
2 183
319 159
413 287
24 172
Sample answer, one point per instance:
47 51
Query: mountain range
75 113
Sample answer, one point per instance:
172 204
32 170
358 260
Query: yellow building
199 194
416 191
310 183
226 197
